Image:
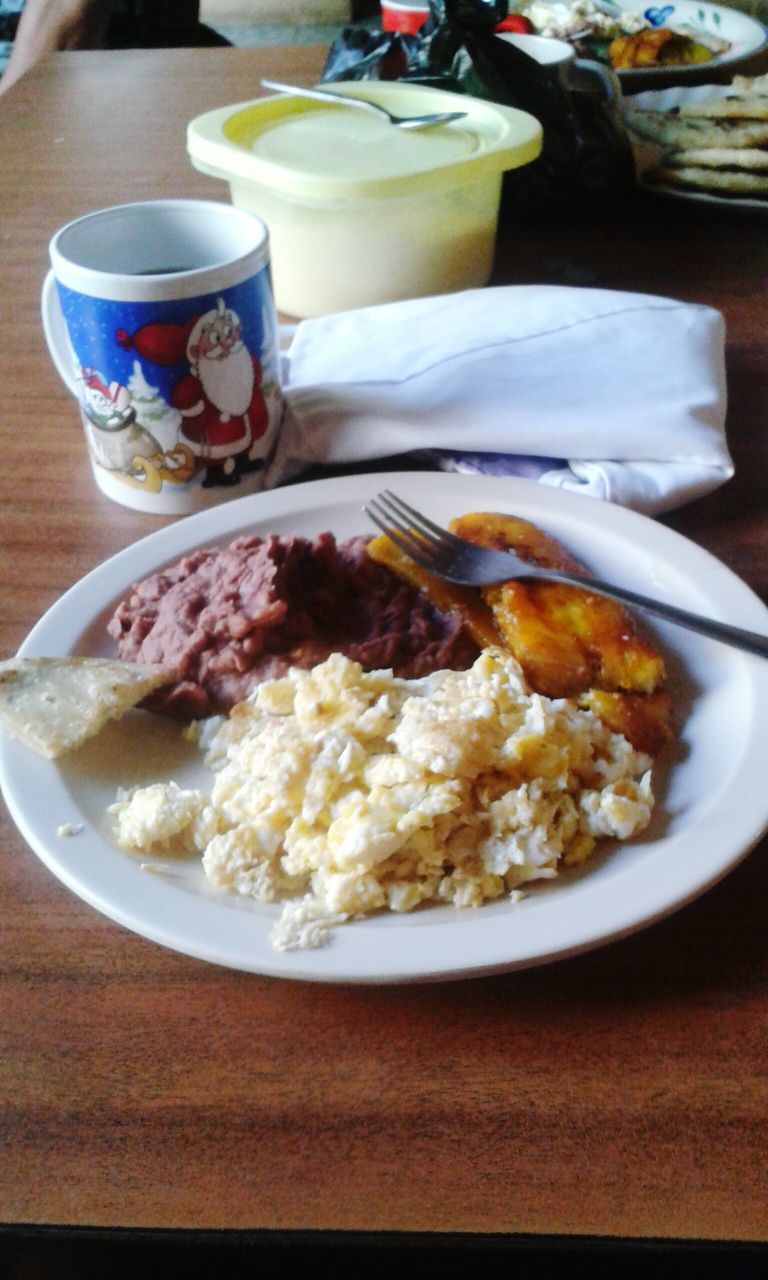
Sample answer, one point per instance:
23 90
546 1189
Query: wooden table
620 1095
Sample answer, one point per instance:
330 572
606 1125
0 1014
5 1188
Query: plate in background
648 154
745 35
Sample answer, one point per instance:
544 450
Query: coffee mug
560 57
160 319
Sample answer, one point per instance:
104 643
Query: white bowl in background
745 35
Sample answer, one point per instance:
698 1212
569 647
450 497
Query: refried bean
227 618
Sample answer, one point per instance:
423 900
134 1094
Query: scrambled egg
340 792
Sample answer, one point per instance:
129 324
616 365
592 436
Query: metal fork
458 560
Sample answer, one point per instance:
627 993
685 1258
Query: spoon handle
325 95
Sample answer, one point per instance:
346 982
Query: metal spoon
402 122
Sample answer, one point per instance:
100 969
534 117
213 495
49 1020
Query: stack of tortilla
716 144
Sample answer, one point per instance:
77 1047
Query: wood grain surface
622 1093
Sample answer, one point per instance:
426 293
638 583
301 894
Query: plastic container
407 18
359 211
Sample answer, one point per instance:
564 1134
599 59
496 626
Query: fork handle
752 641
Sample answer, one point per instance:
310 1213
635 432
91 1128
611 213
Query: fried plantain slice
492 529
571 641
568 639
645 719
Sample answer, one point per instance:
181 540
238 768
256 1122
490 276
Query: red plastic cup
406 18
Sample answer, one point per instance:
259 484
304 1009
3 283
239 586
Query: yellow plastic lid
317 151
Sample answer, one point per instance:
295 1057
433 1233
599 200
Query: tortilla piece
739 107
721 181
720 158
669 130
54 704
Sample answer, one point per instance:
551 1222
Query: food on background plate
340 792
675 131
736 106
716 143
730 175
656 47
724 157
621 38
54 704
748 86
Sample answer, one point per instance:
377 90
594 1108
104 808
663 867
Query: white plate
712 807
744 34
647 153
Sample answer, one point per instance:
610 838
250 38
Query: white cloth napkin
618 395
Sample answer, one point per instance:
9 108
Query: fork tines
416 535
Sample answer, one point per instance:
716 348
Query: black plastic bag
435 55
586 159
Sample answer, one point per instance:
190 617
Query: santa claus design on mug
220 397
